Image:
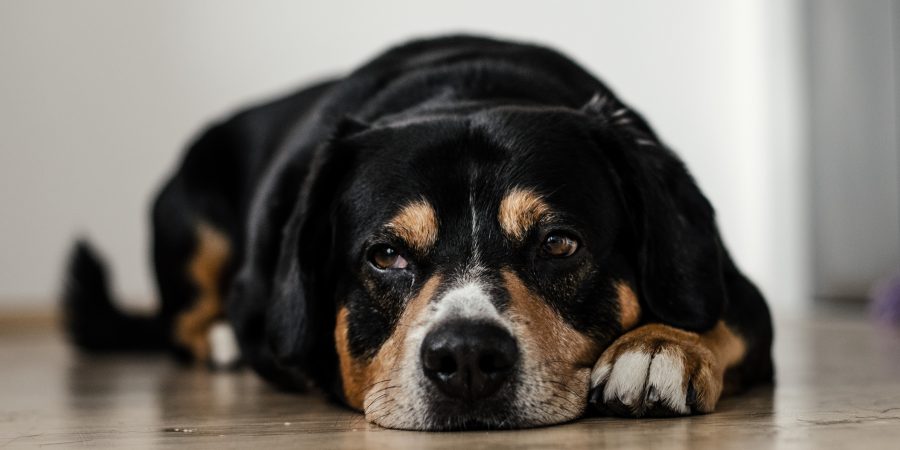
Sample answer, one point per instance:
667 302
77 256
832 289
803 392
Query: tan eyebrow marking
417 224
520 210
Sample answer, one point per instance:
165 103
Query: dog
462 233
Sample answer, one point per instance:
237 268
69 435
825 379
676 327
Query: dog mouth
488 414
458 384
462 364
518 404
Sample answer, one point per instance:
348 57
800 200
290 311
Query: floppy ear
679 248
279 302
300 318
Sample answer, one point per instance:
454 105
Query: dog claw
691 398
595 397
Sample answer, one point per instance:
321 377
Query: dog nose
469 360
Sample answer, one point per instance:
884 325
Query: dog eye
558 245
386 257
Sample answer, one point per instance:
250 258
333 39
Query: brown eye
385 257
559 245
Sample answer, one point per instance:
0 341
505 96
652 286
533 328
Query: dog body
462 233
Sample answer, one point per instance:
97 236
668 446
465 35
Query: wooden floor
839 387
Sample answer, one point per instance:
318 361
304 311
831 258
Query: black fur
302 186
91 319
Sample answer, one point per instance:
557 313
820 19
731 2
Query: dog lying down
462 233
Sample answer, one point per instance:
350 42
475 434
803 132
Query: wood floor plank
838 387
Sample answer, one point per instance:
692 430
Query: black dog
462 233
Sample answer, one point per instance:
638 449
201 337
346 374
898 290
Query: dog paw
224 352
656 371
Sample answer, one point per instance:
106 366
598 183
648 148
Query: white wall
98 97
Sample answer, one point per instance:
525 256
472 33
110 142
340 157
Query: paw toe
640 383
656 371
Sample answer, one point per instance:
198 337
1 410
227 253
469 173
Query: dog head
466 269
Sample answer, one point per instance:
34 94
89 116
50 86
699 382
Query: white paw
655 373
224 350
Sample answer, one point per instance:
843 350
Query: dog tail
91 318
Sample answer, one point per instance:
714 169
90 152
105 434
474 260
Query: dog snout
469 360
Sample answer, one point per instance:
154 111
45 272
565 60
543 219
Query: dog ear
300 318
679 249
279 302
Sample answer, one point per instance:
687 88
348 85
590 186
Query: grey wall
853 117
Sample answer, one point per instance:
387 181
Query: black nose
469 360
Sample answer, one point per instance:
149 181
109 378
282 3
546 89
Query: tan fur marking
204 269
555 340
728 347
629 308
417 224
353 373
706 356
520 210
562 356
359 376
